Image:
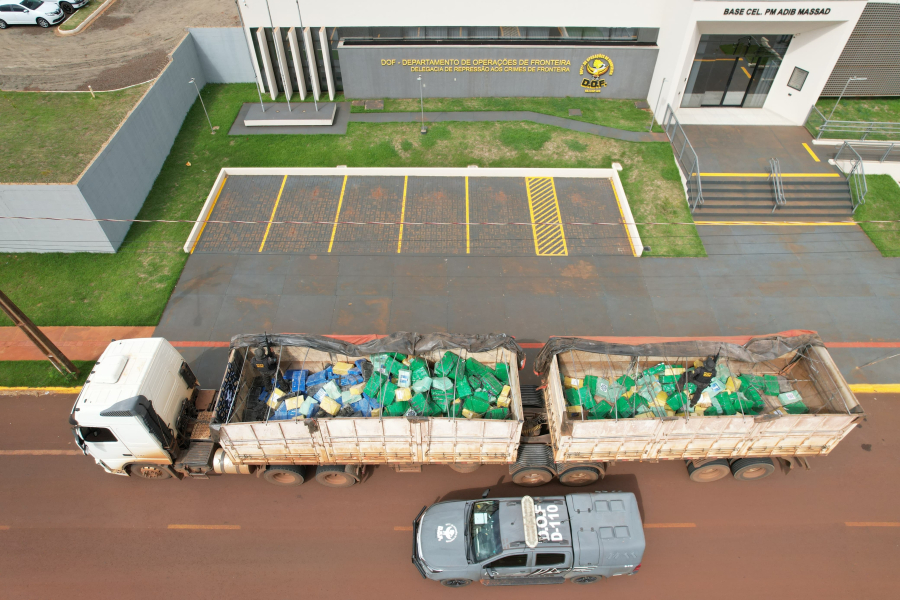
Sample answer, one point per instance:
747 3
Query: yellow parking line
811 153
272 216
874 388
402 213
746 72
211 208
622 213
337 214
872 524
768 174
204 527
543 204
4 527
467 215
668 525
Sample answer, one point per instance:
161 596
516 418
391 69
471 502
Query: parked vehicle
520 541
30 12
70 6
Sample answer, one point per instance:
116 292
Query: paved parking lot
362 214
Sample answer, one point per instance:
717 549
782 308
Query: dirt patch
110 23
143 68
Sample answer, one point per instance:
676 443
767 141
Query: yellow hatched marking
402 214
337 214
272 216
811 153
549 237
467 215
211 208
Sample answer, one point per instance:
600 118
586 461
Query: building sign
775 12
595 67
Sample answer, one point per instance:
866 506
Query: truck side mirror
485 493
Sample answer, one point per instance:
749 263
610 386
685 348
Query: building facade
750 61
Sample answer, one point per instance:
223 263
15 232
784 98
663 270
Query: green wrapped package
625 380
501 372
754 382
669 388
770 383
473 367
667 379
678 401
753 396
744 405
497 413
578 396
482 395
474 407
419 369
590 382
623 409
442 383
655 370
690 387
600 411
446 367
442 398
418 403
463 389
489 382
374 384
386 395
455 409
588 401
432 409
640 400
796 408
397 409
725 402
422 385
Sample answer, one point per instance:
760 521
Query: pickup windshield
485 528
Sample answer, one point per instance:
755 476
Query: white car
70 6
30 12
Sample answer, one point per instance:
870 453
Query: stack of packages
395 385
666 390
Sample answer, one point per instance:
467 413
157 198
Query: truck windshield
485 530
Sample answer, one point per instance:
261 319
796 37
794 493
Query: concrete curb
634 237
87 22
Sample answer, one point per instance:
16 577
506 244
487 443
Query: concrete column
298 61
311 62
259 77
267 62
326 59
281 57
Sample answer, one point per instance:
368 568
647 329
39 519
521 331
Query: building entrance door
734 70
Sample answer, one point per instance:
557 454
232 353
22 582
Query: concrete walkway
509 115
77 343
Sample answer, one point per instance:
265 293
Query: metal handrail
850 127
856 176
777 183
685 156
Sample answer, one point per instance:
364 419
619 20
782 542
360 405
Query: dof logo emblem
446 533
595 66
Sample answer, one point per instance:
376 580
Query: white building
728 62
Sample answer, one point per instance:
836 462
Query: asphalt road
69 530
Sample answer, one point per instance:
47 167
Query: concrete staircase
752 199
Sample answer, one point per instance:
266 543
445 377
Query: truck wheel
454 583
464 468
532 477
149 472
584 579
285 475
334 476
751 469
711 471
579 476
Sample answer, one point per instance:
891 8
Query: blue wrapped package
281 413
317 378
264 395
308 408
362 405
329 374
298 380
351 379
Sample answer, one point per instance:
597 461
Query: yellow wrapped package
293 402
733 385
402 394
673 371
329 405
670 412
357 389
699 410
645 416
572 382
341 368
574 410
376 412
274 397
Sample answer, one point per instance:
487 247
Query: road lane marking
40 453
669 525
272 216
768 174
782 223
203 526
402 213
872 524
543 204
337 214
874 388
209 214
467 215
811 153
403 528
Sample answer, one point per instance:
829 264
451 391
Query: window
486 530
16 8
798 78
32 4
97 434
6 8
548 559
513 560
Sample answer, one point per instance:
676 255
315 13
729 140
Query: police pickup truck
520 541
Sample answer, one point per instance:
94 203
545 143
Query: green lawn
133 286
881 110
81 14
882 204
40 373
51 138
620 114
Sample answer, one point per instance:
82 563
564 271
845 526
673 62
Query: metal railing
818 125
856 175
685 156
777 183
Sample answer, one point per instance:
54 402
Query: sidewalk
77 343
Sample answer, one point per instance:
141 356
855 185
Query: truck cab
520 541
129 413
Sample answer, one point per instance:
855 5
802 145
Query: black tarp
758 349
414 344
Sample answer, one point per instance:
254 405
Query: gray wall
367 74
223 54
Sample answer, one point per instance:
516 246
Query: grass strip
40 373
79 16
882 204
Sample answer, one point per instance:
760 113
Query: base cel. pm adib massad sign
498 71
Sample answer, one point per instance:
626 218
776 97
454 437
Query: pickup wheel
752 469
455 583
334 476
149 472
584 579
459 468
66 8
579 476
711 471
285 475
532 477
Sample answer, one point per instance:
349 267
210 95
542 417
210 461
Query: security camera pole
422 102
37 337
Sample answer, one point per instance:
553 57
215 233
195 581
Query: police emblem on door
592 71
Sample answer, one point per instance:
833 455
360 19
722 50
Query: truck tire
455 583
334 476
711 471
285 475
752 469
585 579
461 468
579 476
149 472
532 476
